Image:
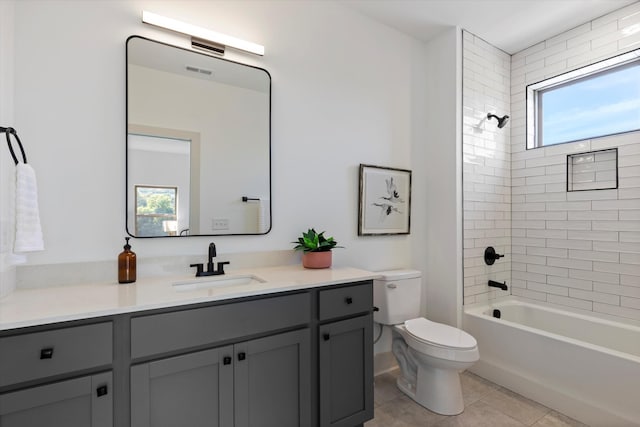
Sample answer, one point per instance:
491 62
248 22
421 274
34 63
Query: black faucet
210 264
495 284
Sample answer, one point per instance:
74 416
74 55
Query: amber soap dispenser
127 264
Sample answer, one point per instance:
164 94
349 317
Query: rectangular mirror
198 143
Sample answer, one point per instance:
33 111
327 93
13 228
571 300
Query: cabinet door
194 390
81 402
273 381
346 372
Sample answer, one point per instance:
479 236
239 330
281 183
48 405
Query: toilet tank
397 294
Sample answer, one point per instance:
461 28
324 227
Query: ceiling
511 25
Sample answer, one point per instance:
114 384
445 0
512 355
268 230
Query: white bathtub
583 366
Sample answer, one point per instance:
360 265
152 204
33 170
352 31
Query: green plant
312 241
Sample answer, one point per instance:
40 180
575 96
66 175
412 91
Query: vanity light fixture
201 37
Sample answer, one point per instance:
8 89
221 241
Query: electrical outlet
220 224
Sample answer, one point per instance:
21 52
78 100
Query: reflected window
156 212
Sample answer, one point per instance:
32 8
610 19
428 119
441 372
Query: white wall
487 167
342 95
576 249
7 168
437 160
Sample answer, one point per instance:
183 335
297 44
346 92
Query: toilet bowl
430 354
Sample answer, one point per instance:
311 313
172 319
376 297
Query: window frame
534 107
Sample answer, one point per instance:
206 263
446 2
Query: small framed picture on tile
385 201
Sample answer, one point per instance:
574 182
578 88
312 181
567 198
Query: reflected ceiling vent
198 70
207 46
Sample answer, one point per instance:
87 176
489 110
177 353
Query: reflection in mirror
198 141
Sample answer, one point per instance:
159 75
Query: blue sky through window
603 104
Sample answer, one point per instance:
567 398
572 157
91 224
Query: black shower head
502 121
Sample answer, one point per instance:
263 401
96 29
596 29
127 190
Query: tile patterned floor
486 404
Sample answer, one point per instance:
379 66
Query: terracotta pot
316 259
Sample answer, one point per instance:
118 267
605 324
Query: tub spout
495 284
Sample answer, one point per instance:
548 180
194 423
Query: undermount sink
216 282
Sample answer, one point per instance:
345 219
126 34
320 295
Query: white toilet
430 354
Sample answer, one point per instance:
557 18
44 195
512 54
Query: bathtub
583 366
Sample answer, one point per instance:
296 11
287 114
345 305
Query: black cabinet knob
348 300
242 356
326 336
102 390
46 353
226 360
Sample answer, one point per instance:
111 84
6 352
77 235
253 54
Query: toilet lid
439 334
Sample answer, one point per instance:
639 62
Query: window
156 211
594 101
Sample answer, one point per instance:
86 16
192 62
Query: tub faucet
211 271
495 284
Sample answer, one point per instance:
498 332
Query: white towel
28 230
263 216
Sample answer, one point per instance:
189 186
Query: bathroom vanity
294 349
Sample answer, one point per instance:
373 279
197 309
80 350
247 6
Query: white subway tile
630 236
606 236
546 179
550 289
528 259
546 197
593 215
527 293
551 271
594 296
570 244
544 53
546 234
629 172
630 193
629 159
528 224
569 225
547 252
616 204
629 258
593 195
527 241
568 206
597 31
570 263
528 207
570 282
570 148
554 215
629 280
608 288
594 255
629 313
570 302
616 225
629 215
609 267
616 247
596 276
616 15
528 276
630 302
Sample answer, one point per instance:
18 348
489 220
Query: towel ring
11 131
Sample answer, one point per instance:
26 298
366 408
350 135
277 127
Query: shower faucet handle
490 255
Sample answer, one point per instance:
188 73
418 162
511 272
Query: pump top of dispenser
127 246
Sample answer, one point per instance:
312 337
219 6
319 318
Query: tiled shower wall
486 167
578 249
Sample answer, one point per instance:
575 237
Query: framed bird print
385 201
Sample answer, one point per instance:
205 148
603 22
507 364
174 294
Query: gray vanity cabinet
190 390
80 402
261 382
240 364
57 377
346 356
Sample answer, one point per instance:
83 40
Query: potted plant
316 249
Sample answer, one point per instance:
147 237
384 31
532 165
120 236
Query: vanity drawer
160 333
345 301
42 354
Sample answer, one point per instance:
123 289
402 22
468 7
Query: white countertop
31 307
